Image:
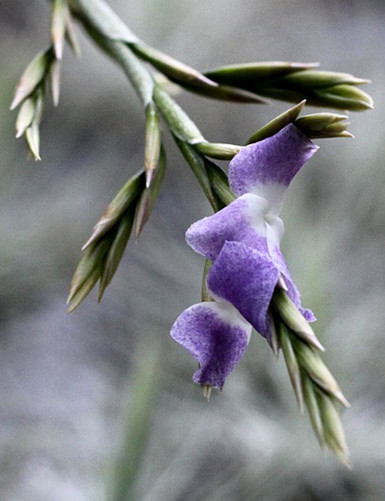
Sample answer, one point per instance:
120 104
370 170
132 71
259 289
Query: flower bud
295 82
323 125
344 96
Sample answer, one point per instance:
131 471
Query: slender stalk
100 22
103 19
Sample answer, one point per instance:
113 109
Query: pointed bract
219 151
172 68
115 252
153 143
55 81
58 26
278 123
32 76
25 116
126 197
291 363
32 134
149 196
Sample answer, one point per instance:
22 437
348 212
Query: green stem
102 18
179 123
99 27
112 35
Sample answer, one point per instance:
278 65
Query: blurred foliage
63 379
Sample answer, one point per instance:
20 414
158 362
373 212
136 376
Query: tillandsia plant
246 281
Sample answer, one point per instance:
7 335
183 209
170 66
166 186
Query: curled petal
267 167
216 336
241 221
246 278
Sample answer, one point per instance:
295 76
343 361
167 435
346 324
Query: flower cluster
243 242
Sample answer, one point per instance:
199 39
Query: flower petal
292 290
267 167
242 221
216 336
246 278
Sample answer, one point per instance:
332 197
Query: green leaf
144 390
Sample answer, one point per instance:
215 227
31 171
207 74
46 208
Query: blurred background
103 399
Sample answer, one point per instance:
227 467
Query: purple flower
242 241
216 335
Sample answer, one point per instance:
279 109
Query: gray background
65 380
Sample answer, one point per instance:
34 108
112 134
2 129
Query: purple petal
266 168
246 278
241 221
216 336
